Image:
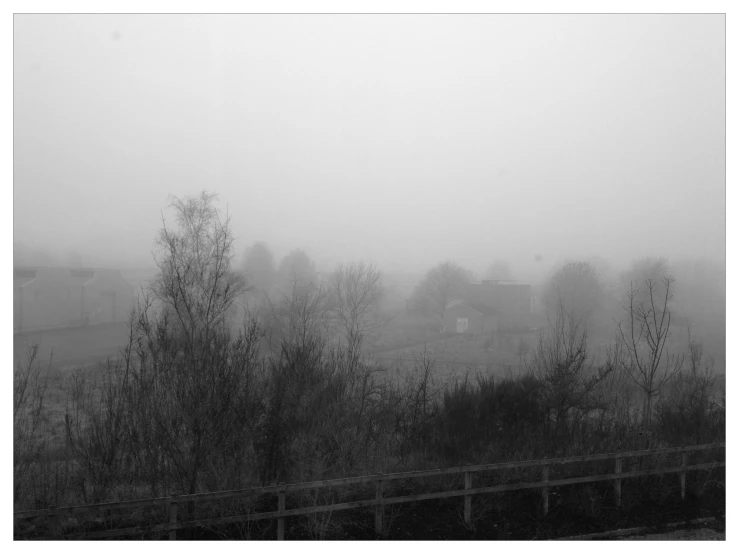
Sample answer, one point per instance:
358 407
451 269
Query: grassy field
68 349
455 355
73 346
403 340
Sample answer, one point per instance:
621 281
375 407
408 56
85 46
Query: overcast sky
403 140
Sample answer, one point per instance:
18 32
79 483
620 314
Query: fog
399 140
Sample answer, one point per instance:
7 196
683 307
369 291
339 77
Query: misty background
398 139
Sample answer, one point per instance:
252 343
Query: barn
476 319
53 297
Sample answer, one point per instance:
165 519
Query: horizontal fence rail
53 515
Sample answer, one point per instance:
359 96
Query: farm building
49 297
511 301
476 319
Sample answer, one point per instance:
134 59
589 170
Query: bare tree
192 384
568 372
30 386
259 268
355 291
688 409
576 288
320 398
648 268
442 284
296 267
96 424
644 336
195 278
299 317
190 411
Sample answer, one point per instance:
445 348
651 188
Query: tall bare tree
192 383
645 335
442 284
355 291
195 279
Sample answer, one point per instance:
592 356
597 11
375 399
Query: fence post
172 509
281 510
53 522
468 499
683 463
378 506
617 482
545 490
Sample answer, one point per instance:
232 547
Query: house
476 319
54 297
510 300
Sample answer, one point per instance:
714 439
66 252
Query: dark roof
482 308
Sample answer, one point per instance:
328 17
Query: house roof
481 308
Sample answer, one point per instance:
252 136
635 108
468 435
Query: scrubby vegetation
196 403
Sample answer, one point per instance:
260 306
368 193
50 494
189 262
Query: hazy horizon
403 140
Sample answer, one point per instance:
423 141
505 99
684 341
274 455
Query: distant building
510 300
51 297
476 319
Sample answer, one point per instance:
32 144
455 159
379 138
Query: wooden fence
54 515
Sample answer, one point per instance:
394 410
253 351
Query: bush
691 412
30 428
474 415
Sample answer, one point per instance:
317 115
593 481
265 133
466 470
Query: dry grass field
73 346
